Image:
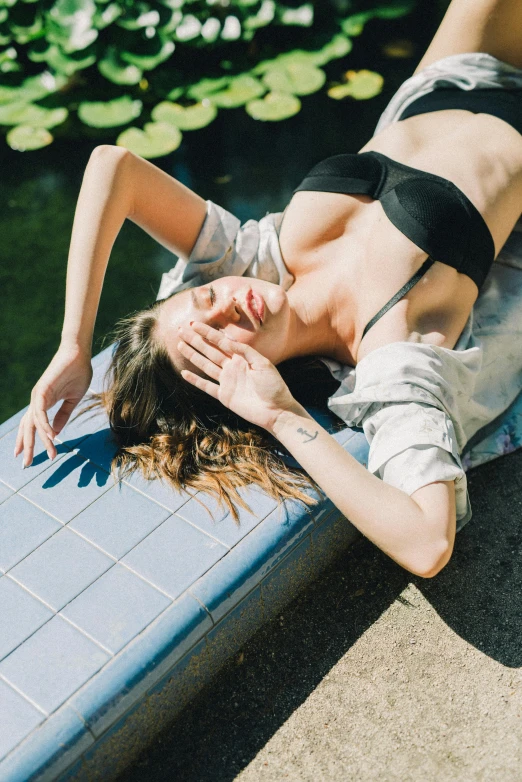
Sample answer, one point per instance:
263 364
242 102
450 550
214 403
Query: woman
413 224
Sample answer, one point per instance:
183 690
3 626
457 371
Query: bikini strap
405 288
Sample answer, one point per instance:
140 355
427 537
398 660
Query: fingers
203 363
224 343
62 416
200 382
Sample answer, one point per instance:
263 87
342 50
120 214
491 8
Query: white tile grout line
25 697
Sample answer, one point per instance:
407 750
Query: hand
245 381
66 378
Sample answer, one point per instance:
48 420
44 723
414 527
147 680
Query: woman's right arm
116 185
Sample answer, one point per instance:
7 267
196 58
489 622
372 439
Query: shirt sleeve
224 248
414 444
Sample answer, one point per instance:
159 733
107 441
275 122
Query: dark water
248 167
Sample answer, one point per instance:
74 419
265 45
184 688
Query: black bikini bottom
503 103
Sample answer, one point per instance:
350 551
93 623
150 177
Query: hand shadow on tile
88 472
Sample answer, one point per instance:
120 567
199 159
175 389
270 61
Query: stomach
349 238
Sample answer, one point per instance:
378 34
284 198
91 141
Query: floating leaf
33 88
64 64
274 106
339 46
149 57
189 28
117 71
176 93
361 85
26 137
231 29
109 114
298 78
70 24
263 17
354 25
303 16
206 88
155 140
395 9
110 13
138 15
210 30
190 118
21 113
240 90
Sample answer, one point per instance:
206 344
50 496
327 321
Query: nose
226 311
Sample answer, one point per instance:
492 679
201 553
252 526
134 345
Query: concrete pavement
375 675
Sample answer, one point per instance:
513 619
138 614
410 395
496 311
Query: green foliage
104 63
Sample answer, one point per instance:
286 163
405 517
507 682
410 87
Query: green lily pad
303 15
155 140
21 113
139 15
274 106
263 17
116 70
103 18
33 88
361 85
338 47
354 25
240 90
206 88
65 64
25 137
395 9
190 118
150 56
109 114
297 78
176 93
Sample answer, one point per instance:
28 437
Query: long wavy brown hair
167 428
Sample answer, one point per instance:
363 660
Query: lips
256 306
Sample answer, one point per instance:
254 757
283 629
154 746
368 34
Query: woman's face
251 311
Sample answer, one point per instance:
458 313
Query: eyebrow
195 301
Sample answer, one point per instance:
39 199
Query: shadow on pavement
477 595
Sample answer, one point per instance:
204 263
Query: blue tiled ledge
119 601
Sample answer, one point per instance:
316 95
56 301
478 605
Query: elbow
434 561
106 154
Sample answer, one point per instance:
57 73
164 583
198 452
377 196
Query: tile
12 422
23 527
81 424
61 568
139 666
219 523
11 469
21 615
174 555
115 608
50 749
101 360
5 492
17 719
100 448
67 488
52 664
159 491
118 520
247 563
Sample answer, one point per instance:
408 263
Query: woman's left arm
416 531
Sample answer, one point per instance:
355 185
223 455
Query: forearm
384 514
104 202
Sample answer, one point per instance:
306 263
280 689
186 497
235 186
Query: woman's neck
321 322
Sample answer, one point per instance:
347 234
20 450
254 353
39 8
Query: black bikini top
429 210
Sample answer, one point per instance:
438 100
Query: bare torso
345 248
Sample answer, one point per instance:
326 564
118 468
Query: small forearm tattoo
310 436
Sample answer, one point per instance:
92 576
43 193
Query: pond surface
248 167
